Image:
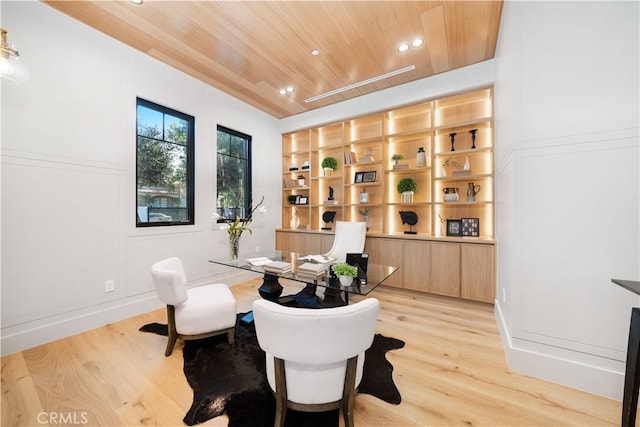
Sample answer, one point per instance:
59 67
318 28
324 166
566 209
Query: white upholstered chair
194 313
349 238
314 357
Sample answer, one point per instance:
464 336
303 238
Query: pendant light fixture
12 70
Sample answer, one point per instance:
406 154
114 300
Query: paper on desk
320 259
259 261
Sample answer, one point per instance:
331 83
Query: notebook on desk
360 261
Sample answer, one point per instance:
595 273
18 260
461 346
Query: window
234 173
164 166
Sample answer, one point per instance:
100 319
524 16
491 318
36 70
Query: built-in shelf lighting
362 83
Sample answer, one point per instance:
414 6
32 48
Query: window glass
164 166
233 173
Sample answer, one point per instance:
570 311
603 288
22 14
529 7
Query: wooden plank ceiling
252 49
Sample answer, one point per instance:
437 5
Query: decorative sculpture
411 218
330 193
327 217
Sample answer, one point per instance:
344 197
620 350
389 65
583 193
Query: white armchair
194 313
349 238
314 357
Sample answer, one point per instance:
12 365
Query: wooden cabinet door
445 269
416 264
478 273
387 252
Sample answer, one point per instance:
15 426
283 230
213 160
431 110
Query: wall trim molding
559 369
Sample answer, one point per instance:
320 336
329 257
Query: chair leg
349 394
230 335
281 392
172 332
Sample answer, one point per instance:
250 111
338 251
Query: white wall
68 179
568 187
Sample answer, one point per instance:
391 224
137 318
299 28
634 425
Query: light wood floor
452 371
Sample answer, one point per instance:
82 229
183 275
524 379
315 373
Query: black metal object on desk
632 373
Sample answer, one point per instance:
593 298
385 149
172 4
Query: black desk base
632 373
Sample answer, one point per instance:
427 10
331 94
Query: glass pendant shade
12 70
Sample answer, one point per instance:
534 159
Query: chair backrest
316 336
349 238
169 280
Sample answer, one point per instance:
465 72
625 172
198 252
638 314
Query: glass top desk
271 289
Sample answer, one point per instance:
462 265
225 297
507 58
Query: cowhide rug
232 380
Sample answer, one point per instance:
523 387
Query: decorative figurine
411 218
453 140
328 217
330 193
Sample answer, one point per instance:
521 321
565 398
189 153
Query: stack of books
278 267
311 272
401 166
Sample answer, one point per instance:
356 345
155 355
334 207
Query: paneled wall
68 179
568 187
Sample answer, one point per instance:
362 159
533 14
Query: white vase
345 281
407 197
328 171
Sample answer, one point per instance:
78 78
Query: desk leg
271 288
632 374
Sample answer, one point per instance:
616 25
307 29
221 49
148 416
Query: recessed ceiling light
417 42
315 52
290 89
283 91
403 47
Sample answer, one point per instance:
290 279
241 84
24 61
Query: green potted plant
396 158
345 273
300 180
329 164
406 187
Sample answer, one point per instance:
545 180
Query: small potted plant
301 180
292 199
406 187
329 164
396 158
345 273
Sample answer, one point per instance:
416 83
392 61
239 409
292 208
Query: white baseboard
556 365
42 331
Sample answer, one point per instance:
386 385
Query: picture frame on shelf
358 177
454 227
302 200
470 227
369 176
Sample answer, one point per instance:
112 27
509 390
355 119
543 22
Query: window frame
249 177
190 163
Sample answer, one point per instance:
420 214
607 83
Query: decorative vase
234 247
345 281
466 164
453 140
473 137
407 197
327 171
301 182
421 158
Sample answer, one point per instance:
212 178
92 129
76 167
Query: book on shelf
401 166
462 172
288 183
350 157
366 159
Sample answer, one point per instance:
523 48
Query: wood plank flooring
452 372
